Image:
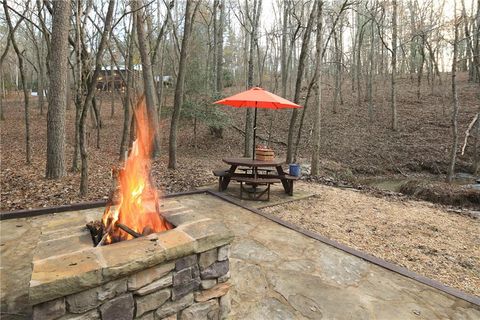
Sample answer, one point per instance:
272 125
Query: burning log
147 230
99 235
104 238
96 230
131 232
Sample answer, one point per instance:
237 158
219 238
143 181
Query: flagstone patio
276 272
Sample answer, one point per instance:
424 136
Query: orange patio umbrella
257 98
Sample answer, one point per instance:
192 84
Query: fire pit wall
194 284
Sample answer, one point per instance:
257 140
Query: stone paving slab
277 273
18 239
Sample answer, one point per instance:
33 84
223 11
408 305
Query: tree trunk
2 94
436 71
476 47
420 66
304 112
112 87
79 105
318 110
126 102
249 130
219 61
215 44
354 45
178 97
336 93
98 120
298 83
286 8
89 98
41 76
393 95
340 61
476 147
26 94
78 85
413 43
358 64
148 82
453 151
370 73
160 84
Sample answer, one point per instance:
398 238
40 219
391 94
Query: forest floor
355 148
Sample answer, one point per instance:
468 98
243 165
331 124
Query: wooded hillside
388 87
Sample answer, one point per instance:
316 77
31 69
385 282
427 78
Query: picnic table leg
285 183
220 183
226 180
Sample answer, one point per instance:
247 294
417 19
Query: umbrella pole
254 131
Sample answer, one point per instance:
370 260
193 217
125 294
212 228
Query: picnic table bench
255 193
221 174
256 173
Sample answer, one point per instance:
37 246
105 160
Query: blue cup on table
294 169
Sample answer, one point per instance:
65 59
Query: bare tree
80 73
286 8
338 52
254 19
453 150
393 94
476 146
371 63
178 99
298 82
476 46
318 110
26 94
91 87
148 81
57 97
219 48
2 59
127 116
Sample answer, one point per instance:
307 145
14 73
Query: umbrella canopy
257 98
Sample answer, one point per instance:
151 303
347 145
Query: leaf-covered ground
352 144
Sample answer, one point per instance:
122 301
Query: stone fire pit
180 273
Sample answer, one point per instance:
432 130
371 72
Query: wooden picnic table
256 166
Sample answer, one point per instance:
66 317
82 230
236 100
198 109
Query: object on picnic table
263 153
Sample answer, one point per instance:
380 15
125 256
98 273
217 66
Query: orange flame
138 206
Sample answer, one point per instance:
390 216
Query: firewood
131 232
96 231
146 231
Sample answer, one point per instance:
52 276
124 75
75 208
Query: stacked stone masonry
192 287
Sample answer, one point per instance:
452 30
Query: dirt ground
419 236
